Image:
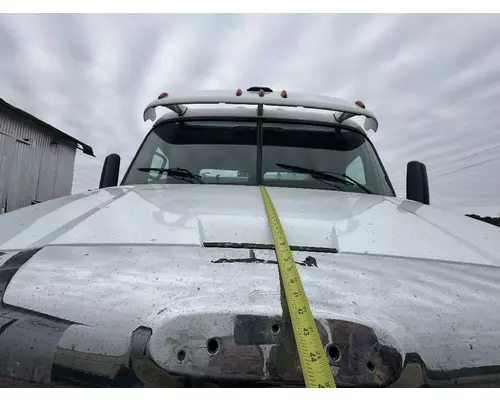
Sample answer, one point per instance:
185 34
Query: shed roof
64 136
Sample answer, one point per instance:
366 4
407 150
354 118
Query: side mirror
110 171
417 183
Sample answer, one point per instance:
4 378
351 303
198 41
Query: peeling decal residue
309 260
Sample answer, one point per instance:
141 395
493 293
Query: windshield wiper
180 173
327 176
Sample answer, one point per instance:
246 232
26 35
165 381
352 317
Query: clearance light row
284 94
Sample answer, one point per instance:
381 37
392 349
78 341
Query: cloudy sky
432 80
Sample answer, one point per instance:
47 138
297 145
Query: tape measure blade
314 363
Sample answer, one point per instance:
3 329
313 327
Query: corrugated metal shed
36 159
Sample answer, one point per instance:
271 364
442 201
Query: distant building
36 160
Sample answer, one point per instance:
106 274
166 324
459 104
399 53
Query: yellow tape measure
312 356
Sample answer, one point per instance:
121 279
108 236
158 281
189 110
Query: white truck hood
84 280
191 215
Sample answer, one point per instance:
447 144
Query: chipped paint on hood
436 309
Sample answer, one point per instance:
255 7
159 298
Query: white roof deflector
343 109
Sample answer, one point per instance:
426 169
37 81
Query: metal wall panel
6 153
39 169
20 190
46 178
64 172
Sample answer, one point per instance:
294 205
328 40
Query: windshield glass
231 153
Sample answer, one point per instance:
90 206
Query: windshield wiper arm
360 185
314 173
331 176
175 173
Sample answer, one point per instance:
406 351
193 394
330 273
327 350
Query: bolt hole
181 355
275 329
370 366
212 346
333 352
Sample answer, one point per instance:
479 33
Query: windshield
234 153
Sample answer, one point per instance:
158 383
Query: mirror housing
417 182
110 171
